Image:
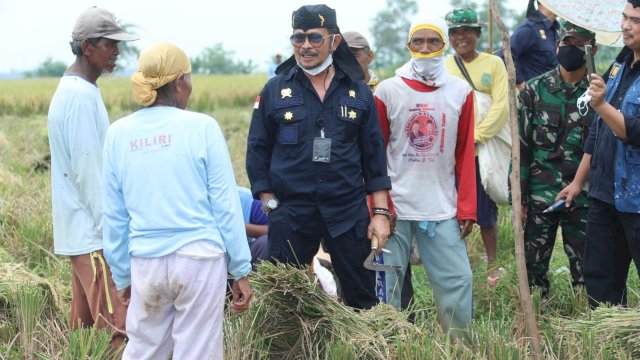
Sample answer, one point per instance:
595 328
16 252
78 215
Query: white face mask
320 68
428 68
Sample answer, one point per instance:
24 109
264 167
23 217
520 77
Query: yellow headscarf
158 65
431 23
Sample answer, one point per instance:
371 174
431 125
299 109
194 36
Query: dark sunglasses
315 39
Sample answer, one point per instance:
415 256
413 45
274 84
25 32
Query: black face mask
570 57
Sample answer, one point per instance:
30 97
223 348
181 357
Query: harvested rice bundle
610 325
15 275
298 321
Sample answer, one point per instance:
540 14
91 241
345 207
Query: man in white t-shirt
77 124
432 172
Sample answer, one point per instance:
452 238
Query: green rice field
35 289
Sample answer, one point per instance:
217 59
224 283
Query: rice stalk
609 326
298 321
14 276
9 349
29 305
91 343
240 341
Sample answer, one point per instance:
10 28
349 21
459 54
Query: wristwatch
270 204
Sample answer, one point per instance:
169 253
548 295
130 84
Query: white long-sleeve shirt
168 182
77 124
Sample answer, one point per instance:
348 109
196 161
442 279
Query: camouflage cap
462 18
573 30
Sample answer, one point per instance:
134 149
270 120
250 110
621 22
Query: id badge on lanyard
322 148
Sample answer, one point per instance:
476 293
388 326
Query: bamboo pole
531 324
490 31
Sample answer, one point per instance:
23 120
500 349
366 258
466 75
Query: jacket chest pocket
632 155
546 46
348 125
350 113
632 106
291 125
630 183
546 129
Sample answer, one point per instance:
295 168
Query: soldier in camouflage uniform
552 132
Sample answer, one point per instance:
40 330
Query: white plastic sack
494 156
327 282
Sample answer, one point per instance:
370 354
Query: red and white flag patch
257 103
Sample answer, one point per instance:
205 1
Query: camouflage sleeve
525 128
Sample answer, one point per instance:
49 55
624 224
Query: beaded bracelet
382 211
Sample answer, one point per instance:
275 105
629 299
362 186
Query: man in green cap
487 75
552 134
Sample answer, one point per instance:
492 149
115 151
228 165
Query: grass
26 243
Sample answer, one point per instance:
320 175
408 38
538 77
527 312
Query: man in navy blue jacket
315 150
533 44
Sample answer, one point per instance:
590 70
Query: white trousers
177 302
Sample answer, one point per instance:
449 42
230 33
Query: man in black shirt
315 149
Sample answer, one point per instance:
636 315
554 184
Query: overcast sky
33 30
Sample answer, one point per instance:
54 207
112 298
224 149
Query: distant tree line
217 60
212 60
48 68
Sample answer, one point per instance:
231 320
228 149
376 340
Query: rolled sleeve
259 147
377 184
374 158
